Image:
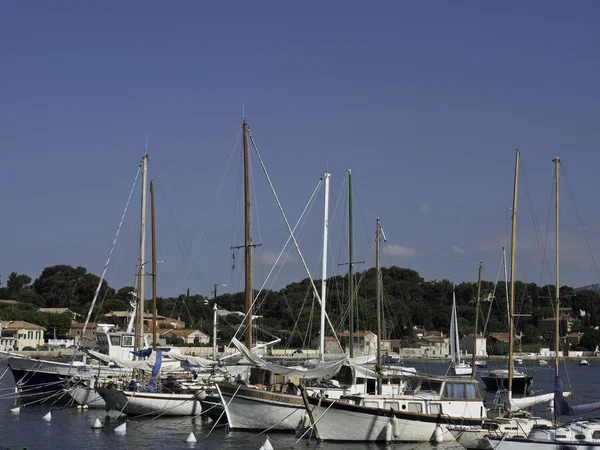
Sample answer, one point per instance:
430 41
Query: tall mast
139 330
378 274
326 177
350 267
153 265
215 309
512 275
474 356
556 185
247 238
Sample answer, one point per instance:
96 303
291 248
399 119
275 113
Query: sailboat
458 367
155 398
576 434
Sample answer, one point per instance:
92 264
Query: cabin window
372 404
596 435
471 393
429 385
449 390
392 405
435 408
459 390
579 437
415 407
127 341
561 436
114 340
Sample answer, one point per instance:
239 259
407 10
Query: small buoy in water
438 435
267 445
121 429
48 417
84 407
16 410
191 438
78 407
97 424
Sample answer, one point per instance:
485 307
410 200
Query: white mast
215 331
324 264
139 335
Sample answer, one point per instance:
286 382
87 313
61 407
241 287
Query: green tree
15 283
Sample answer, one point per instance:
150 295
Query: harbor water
70 428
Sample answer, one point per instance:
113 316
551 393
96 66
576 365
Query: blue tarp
562 408
145 353
155 371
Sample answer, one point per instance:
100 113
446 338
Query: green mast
350 267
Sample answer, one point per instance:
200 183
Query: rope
112 247
224 407
291 232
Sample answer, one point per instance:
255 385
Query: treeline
292 313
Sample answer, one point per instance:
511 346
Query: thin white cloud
268 257
425 208
458 250
400 250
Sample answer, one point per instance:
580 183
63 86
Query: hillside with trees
292 313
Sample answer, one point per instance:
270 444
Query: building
89 338
121 318
18 335
572 339
170 323
364 342
188 336
466 345
427 347
66 311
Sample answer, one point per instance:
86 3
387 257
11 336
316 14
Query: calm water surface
71 429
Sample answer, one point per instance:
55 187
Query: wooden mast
557 337
474 356
139 329
326 177
378 274
350 268
247 238
153 221
512 275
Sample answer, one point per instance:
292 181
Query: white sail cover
454 343
318 370
146 365
192 360
515 404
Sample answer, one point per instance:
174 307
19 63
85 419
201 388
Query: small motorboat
543 362
518 361
584 362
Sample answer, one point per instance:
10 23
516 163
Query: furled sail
515 404
192 360
318 370
562 408
454 343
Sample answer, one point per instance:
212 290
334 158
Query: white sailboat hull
499 443
253 409
340 424
462 369
151 403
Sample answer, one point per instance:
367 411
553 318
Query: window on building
30 335
37 335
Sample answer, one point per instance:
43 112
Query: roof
503 337
183 333
577 334
77 325
10 302
433 333
419 330
433 339
127 313
357 334
19 325
55 310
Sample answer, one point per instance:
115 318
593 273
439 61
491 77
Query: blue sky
425 101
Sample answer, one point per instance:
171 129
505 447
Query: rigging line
112 247
255 209
290 230
494 291
210 212
547 231
281 253
300 223
586 241
236 233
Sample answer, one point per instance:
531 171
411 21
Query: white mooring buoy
191 438
48 417
97 424
16 410
267 445
121 429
